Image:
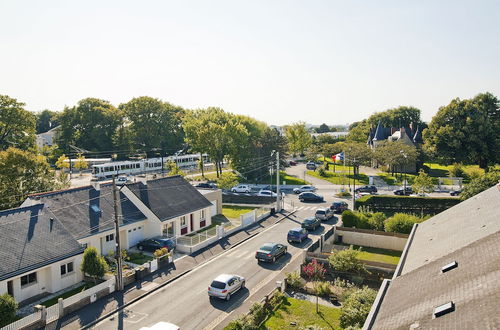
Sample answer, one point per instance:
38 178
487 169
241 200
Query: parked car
311 166
224 285
121 180
241 188
455 192
311 223
292 163
366 189
270 252
324 213
266 193
339 206
156 243
297 235
305 188
310 197
404 191
206 185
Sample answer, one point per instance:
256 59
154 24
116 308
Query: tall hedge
406 204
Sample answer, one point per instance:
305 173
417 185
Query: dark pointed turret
379 133
417 138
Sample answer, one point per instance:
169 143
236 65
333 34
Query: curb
119 308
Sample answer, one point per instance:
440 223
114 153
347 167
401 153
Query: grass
303 313
336 178
208 176
378 255
289 179
234 212
53 301
139 258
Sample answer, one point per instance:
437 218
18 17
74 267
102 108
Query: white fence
54 312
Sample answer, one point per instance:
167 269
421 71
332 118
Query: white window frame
110 237
29 283
183 221
64 267
202 215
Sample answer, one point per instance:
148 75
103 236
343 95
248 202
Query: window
28 279
110 237
202 214
67 268
183 221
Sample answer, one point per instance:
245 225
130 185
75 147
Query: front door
191 219
10 288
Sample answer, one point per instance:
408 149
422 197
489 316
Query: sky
279 61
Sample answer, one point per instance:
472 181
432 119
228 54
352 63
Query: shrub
349 219
294 281
428 205
376 220
321 171
322 288
480 184
401 223
356 307
457 171
347 261
240 323
93 264
8 309
314 270
160 252
343 194
258 313
357 219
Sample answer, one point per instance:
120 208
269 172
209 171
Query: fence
197 238
48 315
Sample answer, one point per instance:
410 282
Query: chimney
51 224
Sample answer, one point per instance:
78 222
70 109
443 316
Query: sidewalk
181 266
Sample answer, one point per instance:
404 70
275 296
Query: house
448 275
38 254
48 138
173 206
408 135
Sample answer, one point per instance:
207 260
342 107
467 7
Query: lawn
336 178
234 212
208 176
378 255
303 313
289 179
139 258
53 301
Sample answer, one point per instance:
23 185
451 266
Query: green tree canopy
323 128
477 185
298 137
395 154
46 120
356 307
347 261
423 183
93 264
17 125
8 309
401 223
466 131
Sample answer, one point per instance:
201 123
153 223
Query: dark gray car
270 252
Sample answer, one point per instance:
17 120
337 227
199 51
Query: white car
241 188
266 193
224 285
304 189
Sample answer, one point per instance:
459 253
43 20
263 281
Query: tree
46 120
93 264
298 137
477 185
17 125
227 180
323 128
356 307
315 272
62 162
8 309
466 131
401 223
173 168
154 123
395 155
81 163
347 261
23 173
91 125
423 183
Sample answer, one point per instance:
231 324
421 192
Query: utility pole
278 197
354 184
119 276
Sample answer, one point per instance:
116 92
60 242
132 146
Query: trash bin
273 210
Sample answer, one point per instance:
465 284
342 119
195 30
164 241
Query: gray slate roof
169 197
29 240
86 211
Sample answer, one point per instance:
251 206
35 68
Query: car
162 326
324 213
311 224
305 188
266 193
339 206
224 285
156 243
455 192
297 235
311 166
366 189
241 188
310 197
404 191
206 185
292 163
121 180
270 252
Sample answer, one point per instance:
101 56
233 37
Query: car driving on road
224 285
310 197
403 192
305 188
311 166
366 189
297 235
455 192
324 213
339 206
270 252
311 224
241 188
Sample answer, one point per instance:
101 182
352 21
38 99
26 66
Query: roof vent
95 209
449 266
444 309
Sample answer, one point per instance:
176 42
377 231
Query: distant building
336 135
411 136
448 276
48 138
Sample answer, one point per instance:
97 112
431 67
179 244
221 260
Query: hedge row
407 204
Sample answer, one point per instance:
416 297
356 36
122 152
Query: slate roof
468 233
169 197
29 240
85 211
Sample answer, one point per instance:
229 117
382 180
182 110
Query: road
185 301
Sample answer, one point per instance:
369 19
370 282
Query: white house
47 138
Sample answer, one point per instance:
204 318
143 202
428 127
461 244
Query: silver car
324 213
225 285
306 188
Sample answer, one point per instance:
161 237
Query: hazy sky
278 61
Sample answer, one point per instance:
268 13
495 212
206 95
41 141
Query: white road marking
133 317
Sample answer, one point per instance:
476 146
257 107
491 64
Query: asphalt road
185 302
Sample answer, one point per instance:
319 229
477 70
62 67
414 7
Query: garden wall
371 238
